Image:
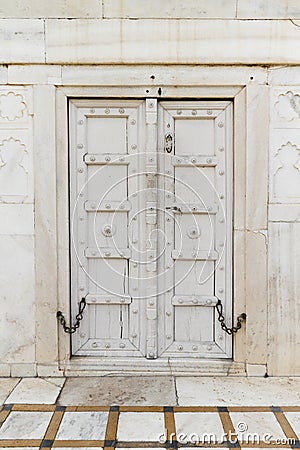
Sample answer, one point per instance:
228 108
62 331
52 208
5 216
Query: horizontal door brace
107 206
100 299
108 253
102 159
194 300
193 255
193 208
201 161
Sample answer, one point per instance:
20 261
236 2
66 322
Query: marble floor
144 412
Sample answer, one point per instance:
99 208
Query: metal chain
71 329
79 317
221 319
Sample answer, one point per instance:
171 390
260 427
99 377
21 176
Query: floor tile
25 425
140 426
294 419
261 423
118 391
235 391
83 425
6 386
34 391
191 427
57 381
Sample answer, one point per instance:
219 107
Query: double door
151 227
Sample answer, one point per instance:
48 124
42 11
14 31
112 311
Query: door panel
194 134
104 149
197 181
151 222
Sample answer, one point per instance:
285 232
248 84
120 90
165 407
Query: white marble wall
284 228
218 9
41 50
17 280
119 41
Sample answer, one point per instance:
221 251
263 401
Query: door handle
168 143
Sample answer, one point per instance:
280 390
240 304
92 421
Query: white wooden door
150 227
196 218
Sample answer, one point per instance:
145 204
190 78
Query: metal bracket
168 143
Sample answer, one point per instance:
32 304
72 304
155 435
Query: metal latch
168 143
174 208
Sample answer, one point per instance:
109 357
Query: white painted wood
200 258
149 228
101 214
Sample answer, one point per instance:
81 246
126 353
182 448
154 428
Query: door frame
248 289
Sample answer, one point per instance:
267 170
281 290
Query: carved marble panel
16 155
12 106
286 175
13 170
286 108
284 149
17 227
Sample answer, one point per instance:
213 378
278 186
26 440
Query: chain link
241 318
79 317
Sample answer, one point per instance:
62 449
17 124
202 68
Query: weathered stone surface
256 297
56 8
19 219
45 225
6 386
119 391
17 299
114 75
284 212
36 390
3 74
284 76
22 41
284 294
257 157
256 370
172 41
23 370
237 391
34 74
171 9
262 9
